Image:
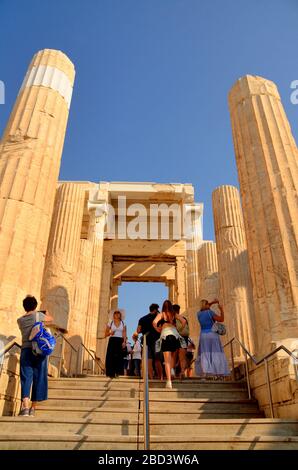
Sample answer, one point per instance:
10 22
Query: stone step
214 442
196 406
154 417
164 393
94 394
177 385
50 426
162 426
66 441
102 442
202 405
118 404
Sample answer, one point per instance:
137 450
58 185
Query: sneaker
172 373
24 412
32 412
169 384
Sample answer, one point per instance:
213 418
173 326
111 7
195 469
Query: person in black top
165 324
145 326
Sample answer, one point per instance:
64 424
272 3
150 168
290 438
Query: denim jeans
137 367
34 372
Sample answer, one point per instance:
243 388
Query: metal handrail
100 363
60 335
6 349
146 423
93 358
257 362
9 346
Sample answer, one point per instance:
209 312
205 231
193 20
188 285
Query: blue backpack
43 343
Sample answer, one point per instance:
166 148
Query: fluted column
266 157
79 313
95 282
63 253
193 244
114 295
181 285
104 305
171 290
30 154
209 283
233 268
208 268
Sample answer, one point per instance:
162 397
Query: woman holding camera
211 360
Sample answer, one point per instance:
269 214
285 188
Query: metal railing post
146 423
232 359
70 363
247 377
77 362
269 387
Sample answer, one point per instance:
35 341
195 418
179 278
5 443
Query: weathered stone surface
30 151
233 268
208 283
266 156
63 253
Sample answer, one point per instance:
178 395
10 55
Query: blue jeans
137 367
34 372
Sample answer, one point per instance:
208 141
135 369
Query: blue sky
150 96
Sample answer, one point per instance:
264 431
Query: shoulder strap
211 316
37 317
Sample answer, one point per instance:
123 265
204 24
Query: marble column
30 154
104 305
233 267
266 156
95 283
209 283
114 295
63 253
181 284
208 269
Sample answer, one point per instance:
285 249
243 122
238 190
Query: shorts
170 343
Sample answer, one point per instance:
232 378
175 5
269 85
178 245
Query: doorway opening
136 297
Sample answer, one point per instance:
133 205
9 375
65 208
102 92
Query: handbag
218 327
182 330
158 345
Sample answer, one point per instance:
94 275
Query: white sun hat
121 310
